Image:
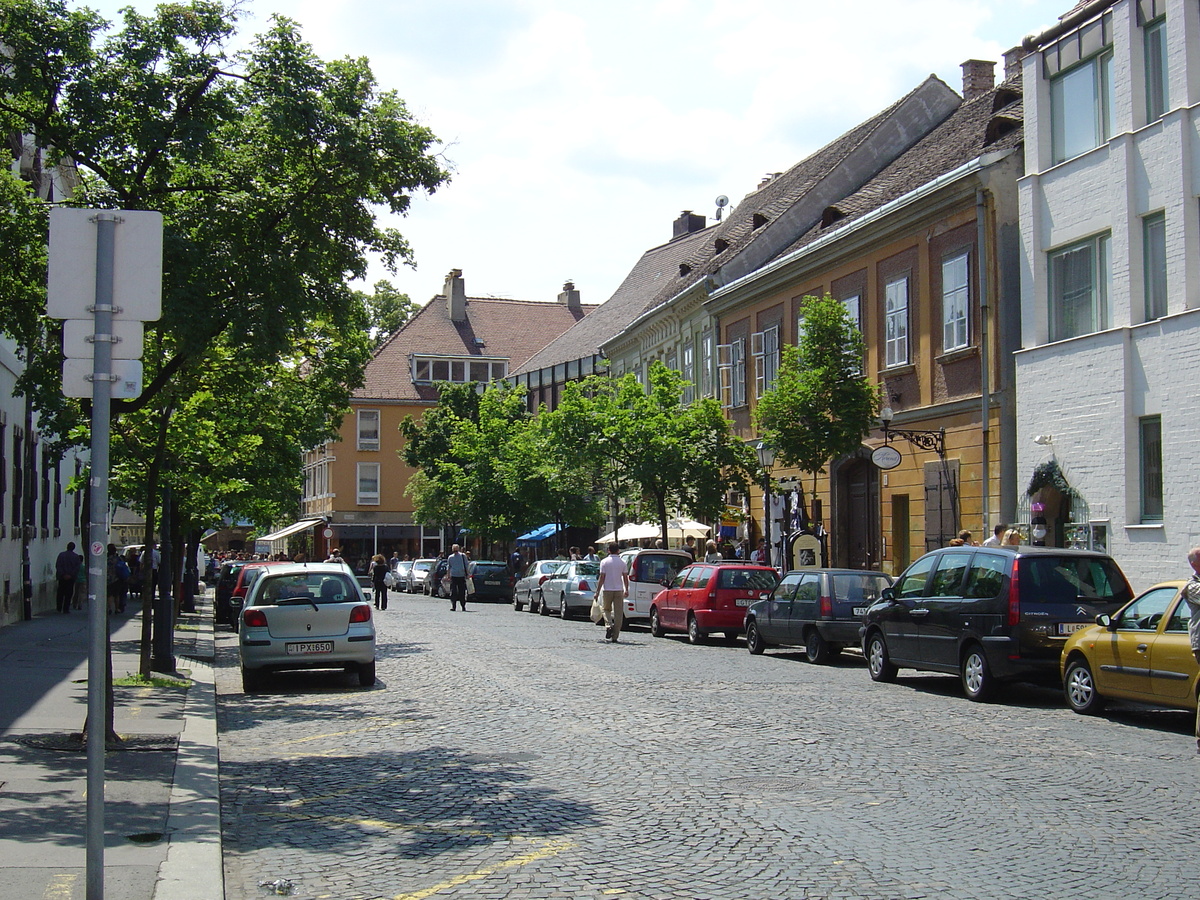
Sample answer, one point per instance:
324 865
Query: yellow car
1140 653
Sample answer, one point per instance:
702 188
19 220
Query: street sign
77 378
77 346
137 264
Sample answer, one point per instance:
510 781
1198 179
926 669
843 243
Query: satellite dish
722 201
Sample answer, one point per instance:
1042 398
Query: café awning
290 530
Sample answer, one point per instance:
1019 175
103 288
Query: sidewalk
162 811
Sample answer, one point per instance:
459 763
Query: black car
438 582
488 580
820 610
227 579
989 614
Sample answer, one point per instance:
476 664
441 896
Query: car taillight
1014 597
584 586
360 614
827 607
542 580
255 618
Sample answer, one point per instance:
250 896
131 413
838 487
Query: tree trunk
148 585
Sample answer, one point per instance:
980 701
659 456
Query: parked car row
486 579
989 615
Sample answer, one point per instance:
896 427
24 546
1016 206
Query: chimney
1012 63
569 296
455 293
687 223
979 77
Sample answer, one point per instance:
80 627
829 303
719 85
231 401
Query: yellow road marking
61 887
552 848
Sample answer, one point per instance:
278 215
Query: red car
705 598
246 577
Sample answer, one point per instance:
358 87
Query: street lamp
925 440
766 459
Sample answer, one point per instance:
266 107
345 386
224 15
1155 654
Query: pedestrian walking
456 568
689 547
712 555
1191 594
66 572
613 572
997 535
379 570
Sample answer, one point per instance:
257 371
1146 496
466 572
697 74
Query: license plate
744 601
491 581
860 610
1072 627
309 648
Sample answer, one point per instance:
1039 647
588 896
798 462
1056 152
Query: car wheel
1079 685
366 673
816 648
251 681
564 611
517 604
695 635
754 640
977 680
543 607
656 629
879 664
532 605
731 637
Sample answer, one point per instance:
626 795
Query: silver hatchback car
306 616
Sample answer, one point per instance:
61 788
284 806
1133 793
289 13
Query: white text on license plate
744 601
310 647
1072 627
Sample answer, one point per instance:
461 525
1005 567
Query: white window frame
1154 55
956 301
457 369
853 307
1150 470
895 294
1091 299
689 372
366 441
1071 131
363 476
1154 265
706 364
764 347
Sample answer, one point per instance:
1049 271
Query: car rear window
748 579
658 568
858 588
587 569
1069 579
485 568
308 587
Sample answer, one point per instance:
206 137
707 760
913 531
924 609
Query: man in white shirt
613 589
997 534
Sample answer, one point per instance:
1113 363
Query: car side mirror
888 594
1104 620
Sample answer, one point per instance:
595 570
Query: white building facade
1108 380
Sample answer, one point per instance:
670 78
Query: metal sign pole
102 343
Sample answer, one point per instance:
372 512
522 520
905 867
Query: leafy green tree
675 457
388 310
821 406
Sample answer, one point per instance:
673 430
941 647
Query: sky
576 131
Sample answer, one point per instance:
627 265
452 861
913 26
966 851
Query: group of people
123 573
1003 535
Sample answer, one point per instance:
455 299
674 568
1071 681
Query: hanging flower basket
1048 474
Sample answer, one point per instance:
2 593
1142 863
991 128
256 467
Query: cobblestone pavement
507 755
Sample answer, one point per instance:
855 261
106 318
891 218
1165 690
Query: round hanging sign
886 457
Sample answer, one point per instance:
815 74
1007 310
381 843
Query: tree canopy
821 406
269 166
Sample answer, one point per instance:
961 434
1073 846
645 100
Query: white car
306 616
528 586
418 573
650 571
571 589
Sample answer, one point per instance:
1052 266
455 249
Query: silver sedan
306 616
570 589
529 584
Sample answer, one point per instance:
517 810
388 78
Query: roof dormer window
758 221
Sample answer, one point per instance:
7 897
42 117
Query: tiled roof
969 132
656 267
666 271
510 329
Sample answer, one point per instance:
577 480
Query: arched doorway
855 501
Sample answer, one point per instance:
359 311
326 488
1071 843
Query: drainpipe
985 397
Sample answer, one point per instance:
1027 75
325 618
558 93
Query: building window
1154 262
731 364
853 308
764 347
18 481
955 294
368 429
706 364
1154 40
1150 436
689 373
1081 107
1079 277
426 369
896 322
368 484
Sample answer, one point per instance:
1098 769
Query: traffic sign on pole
137 264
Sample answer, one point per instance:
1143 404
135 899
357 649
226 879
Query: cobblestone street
509 755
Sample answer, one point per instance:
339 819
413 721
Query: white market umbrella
678 529
633 531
